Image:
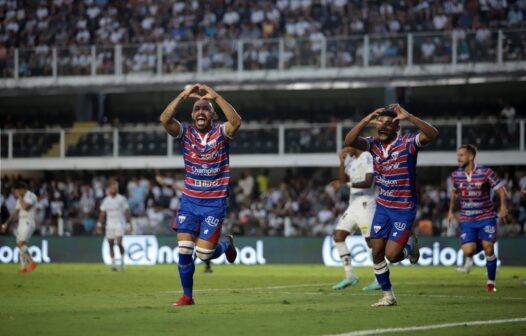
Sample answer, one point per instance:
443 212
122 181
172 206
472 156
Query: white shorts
114 232
359 215
24 231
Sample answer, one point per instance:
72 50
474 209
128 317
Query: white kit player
356 170
114 208
25 211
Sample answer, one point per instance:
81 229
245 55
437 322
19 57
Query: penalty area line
429 327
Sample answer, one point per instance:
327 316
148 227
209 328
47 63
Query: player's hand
211 94
401 113
3 228
373 115
190 90
503 214
336 184
98 228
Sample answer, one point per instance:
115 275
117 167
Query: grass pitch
88 299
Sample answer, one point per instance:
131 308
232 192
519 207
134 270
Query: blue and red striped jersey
206 163
395 170
474 192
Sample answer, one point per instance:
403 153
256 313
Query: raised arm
353 138
233 119
343 178
427 133
172 125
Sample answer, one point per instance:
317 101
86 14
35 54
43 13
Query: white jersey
356 169
27 216
115 208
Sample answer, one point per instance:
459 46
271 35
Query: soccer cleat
208 269
231 253
32 266
463 269
113 268
123 267
372 286
345 283
492 288
184 301
414 255
22 270
387 300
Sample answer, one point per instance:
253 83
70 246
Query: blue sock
381 272
408 247
186 273
220 248
491 266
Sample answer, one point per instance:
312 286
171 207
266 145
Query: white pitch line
255 288
429 327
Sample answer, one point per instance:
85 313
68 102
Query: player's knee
392 256
339 236
186 247
203 253
488 250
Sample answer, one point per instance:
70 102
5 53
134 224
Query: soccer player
394 158
114 211
356 170
472 186
205 147
25 210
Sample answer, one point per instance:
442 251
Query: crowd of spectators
303 203
139 25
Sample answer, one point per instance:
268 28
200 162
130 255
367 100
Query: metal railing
230 56
282 139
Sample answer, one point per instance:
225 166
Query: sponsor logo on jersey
205 170
212 221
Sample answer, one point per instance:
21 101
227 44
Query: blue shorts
201 221
392 224
485 229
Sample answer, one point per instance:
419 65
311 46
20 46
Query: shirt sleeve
454 182
222 129
125 203
494 181
413 140
370 140
367 159
181 132
28 199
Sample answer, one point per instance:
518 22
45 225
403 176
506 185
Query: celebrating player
472 186
114 211
205 146
356 169
25 210
394 158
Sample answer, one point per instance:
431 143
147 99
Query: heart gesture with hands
401 113
206 92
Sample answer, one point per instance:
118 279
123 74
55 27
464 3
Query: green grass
88 299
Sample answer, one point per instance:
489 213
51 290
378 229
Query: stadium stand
302 204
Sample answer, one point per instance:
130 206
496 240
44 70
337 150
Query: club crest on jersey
395 155
400 226
377 228
463 236
182 218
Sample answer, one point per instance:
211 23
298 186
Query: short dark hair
387 112
20 185
472 149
